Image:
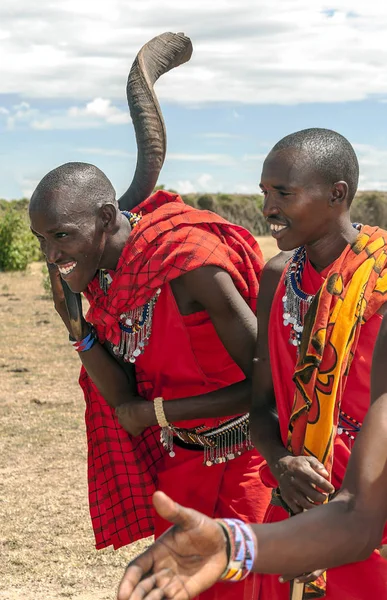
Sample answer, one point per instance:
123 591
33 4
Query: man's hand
186 560
135 415
303 481
58 294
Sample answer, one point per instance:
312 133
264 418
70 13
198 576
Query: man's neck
327 249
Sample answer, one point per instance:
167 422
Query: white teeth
66 269
277 228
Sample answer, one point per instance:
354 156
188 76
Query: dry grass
268 246
46 542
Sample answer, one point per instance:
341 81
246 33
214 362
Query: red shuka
184 358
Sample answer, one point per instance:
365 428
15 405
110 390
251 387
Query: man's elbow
367 528
370 539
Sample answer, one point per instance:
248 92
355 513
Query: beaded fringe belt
219 444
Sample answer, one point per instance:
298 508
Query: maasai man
172 291
309 408
320 311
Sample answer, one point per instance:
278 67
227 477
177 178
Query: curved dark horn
158 56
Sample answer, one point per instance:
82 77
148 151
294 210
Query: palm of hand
180 565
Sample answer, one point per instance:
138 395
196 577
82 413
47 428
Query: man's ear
339 193
108 216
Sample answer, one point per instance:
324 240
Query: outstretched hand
186 560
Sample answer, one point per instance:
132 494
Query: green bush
242 210
18 247
370 208
46 283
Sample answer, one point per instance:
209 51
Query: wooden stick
74 309
297 590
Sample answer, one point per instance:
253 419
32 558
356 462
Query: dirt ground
46 541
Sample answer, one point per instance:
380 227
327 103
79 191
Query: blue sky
259 71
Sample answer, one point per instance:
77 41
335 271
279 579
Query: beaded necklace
135 324
295 301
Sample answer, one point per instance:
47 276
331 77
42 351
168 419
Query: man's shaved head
328 153
83 185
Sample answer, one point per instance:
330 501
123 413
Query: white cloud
186 186
249 52
101 108
372 162
96 113
205 181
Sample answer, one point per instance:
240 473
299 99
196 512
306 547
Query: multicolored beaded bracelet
87 343
240 547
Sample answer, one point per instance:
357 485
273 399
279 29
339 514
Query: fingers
133 575
158 586
297 502
321 475
169 510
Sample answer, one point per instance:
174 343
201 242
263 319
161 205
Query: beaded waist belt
219 444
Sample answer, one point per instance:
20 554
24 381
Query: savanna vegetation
18 247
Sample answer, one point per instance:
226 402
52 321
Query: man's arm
212 289
265 430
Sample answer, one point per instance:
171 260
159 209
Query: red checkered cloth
171 239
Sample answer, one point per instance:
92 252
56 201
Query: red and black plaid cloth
171 239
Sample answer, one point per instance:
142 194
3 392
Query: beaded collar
135 324
295 301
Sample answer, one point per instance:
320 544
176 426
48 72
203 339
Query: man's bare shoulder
270 278
278 262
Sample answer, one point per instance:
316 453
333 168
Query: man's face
70 238
296 200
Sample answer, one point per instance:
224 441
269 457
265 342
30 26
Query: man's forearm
327 536
266 435
231 400
108 375
114 385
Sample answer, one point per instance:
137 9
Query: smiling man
172 294
319 316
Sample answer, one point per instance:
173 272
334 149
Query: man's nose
269 206
52 252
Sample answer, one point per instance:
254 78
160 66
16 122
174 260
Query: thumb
185 518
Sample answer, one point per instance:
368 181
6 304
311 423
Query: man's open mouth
67 268
276 228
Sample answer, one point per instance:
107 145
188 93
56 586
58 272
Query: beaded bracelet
87 343
241 549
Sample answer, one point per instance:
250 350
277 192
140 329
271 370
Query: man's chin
286 245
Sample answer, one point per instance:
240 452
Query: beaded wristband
87 343
159 412
241 549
